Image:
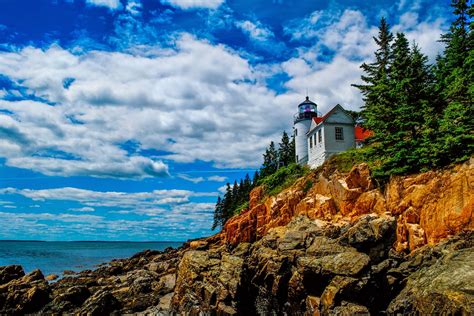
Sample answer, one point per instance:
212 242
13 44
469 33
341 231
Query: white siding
336 146
329 145
317 154
301 140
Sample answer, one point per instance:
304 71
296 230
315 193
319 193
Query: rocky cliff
331 244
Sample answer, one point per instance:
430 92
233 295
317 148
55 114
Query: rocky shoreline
343 247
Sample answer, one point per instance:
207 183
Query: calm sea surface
55 257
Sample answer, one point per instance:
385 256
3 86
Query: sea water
55 257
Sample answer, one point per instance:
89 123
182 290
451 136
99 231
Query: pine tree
455 141
235 198
285 153
256 177
377 110
397 143
270 161
406 149
247 186
242 196
218 214
293 150
227 207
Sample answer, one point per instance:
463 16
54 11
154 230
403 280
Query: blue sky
124 119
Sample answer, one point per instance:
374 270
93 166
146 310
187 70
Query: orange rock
430 206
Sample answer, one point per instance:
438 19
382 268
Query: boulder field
331 244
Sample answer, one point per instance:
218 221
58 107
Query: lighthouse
301 125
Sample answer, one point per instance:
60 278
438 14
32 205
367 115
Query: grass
240 208
283 178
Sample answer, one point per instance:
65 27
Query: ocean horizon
54 257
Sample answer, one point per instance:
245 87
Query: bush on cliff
282 178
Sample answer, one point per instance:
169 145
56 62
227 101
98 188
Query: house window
339 133
297 158
296 132
311 141
314 137
320 137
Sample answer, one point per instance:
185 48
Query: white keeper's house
319 137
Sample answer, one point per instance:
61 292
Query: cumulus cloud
343 41
189 102
63 227
134 7
109 199
111 4
255 31
160 214
194 4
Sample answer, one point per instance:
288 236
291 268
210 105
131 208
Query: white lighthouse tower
301 124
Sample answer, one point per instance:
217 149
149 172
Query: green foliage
283 178
345 160
236 196
241 207
286 152
421 116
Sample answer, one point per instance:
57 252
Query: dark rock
445 288
349 309
101 303
12 272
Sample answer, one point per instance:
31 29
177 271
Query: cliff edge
331 244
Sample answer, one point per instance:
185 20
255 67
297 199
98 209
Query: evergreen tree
235 198
256 177
377 110
227 204
455 84
218 214
396 147
247 186
293 149
285 153
242 196
270 161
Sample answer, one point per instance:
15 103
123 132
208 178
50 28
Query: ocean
55 257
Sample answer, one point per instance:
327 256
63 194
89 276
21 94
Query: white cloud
134 7
192 102
191 179
194 4
222 189
217 178
158 215
328 77
255 31
111 4
83 209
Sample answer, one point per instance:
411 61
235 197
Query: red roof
361 133
318 119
